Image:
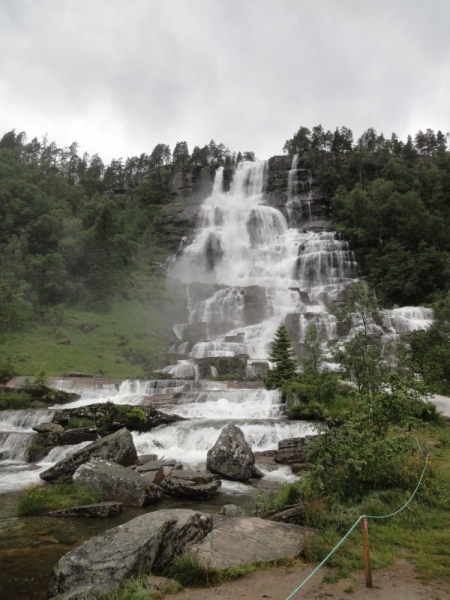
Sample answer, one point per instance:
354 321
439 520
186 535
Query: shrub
14 400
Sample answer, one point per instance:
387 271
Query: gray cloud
120 76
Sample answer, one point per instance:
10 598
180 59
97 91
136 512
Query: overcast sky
120 76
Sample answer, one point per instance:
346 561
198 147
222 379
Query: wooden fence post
366 551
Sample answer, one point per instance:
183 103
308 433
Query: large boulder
231 456
116 483
242 541
143 544
118 447
109 417
191 484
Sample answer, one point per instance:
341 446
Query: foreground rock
109 417
83 593
231 456
243 541
101 509
118 447
143 544
114 482
191 484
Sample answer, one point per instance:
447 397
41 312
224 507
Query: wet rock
48 428
49 395
257 473
246 540
145 458
292 450
117 447
154 476
109 417
78 435
99 510
231 456
191 484
147 543
227 512
224 365
116 483
155 465
255 304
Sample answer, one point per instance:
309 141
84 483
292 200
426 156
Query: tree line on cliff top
72 227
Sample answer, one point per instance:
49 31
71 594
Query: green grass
78 422
135 589
40 499
128 341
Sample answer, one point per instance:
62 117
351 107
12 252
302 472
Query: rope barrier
356 523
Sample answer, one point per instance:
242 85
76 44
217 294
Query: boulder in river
231 456
191 484
146 543
117 447
110 417
48 428
117 483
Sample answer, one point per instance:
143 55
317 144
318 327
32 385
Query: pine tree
282 354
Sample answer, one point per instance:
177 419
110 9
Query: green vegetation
40 499
137 589
371 452
391 199
282 355
13 400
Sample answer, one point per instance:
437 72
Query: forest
75 232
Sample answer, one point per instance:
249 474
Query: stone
291 514
191 484
246 540
257 473
101 509
78 435
116 483
227 512
146 543
145 458
224 365
231 456
48 428
153 476
110 417
155 465
292 450
82 593
118 447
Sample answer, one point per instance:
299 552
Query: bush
7 371
40 499
14 400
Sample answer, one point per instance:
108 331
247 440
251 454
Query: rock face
292 450
191 484
143 544
102 509
224 365
48 428
231 456
245 540
117 483
118 447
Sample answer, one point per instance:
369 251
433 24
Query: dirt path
396 582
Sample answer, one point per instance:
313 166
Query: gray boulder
101 509
118 447
143 544
116 483
292 450
191 484
231 456
48 428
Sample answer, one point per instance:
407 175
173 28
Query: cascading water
247 270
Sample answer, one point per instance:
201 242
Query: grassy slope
135 328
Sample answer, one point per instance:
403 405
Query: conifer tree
282 354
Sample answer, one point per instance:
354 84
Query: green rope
356 523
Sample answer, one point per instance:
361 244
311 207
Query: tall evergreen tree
282 354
